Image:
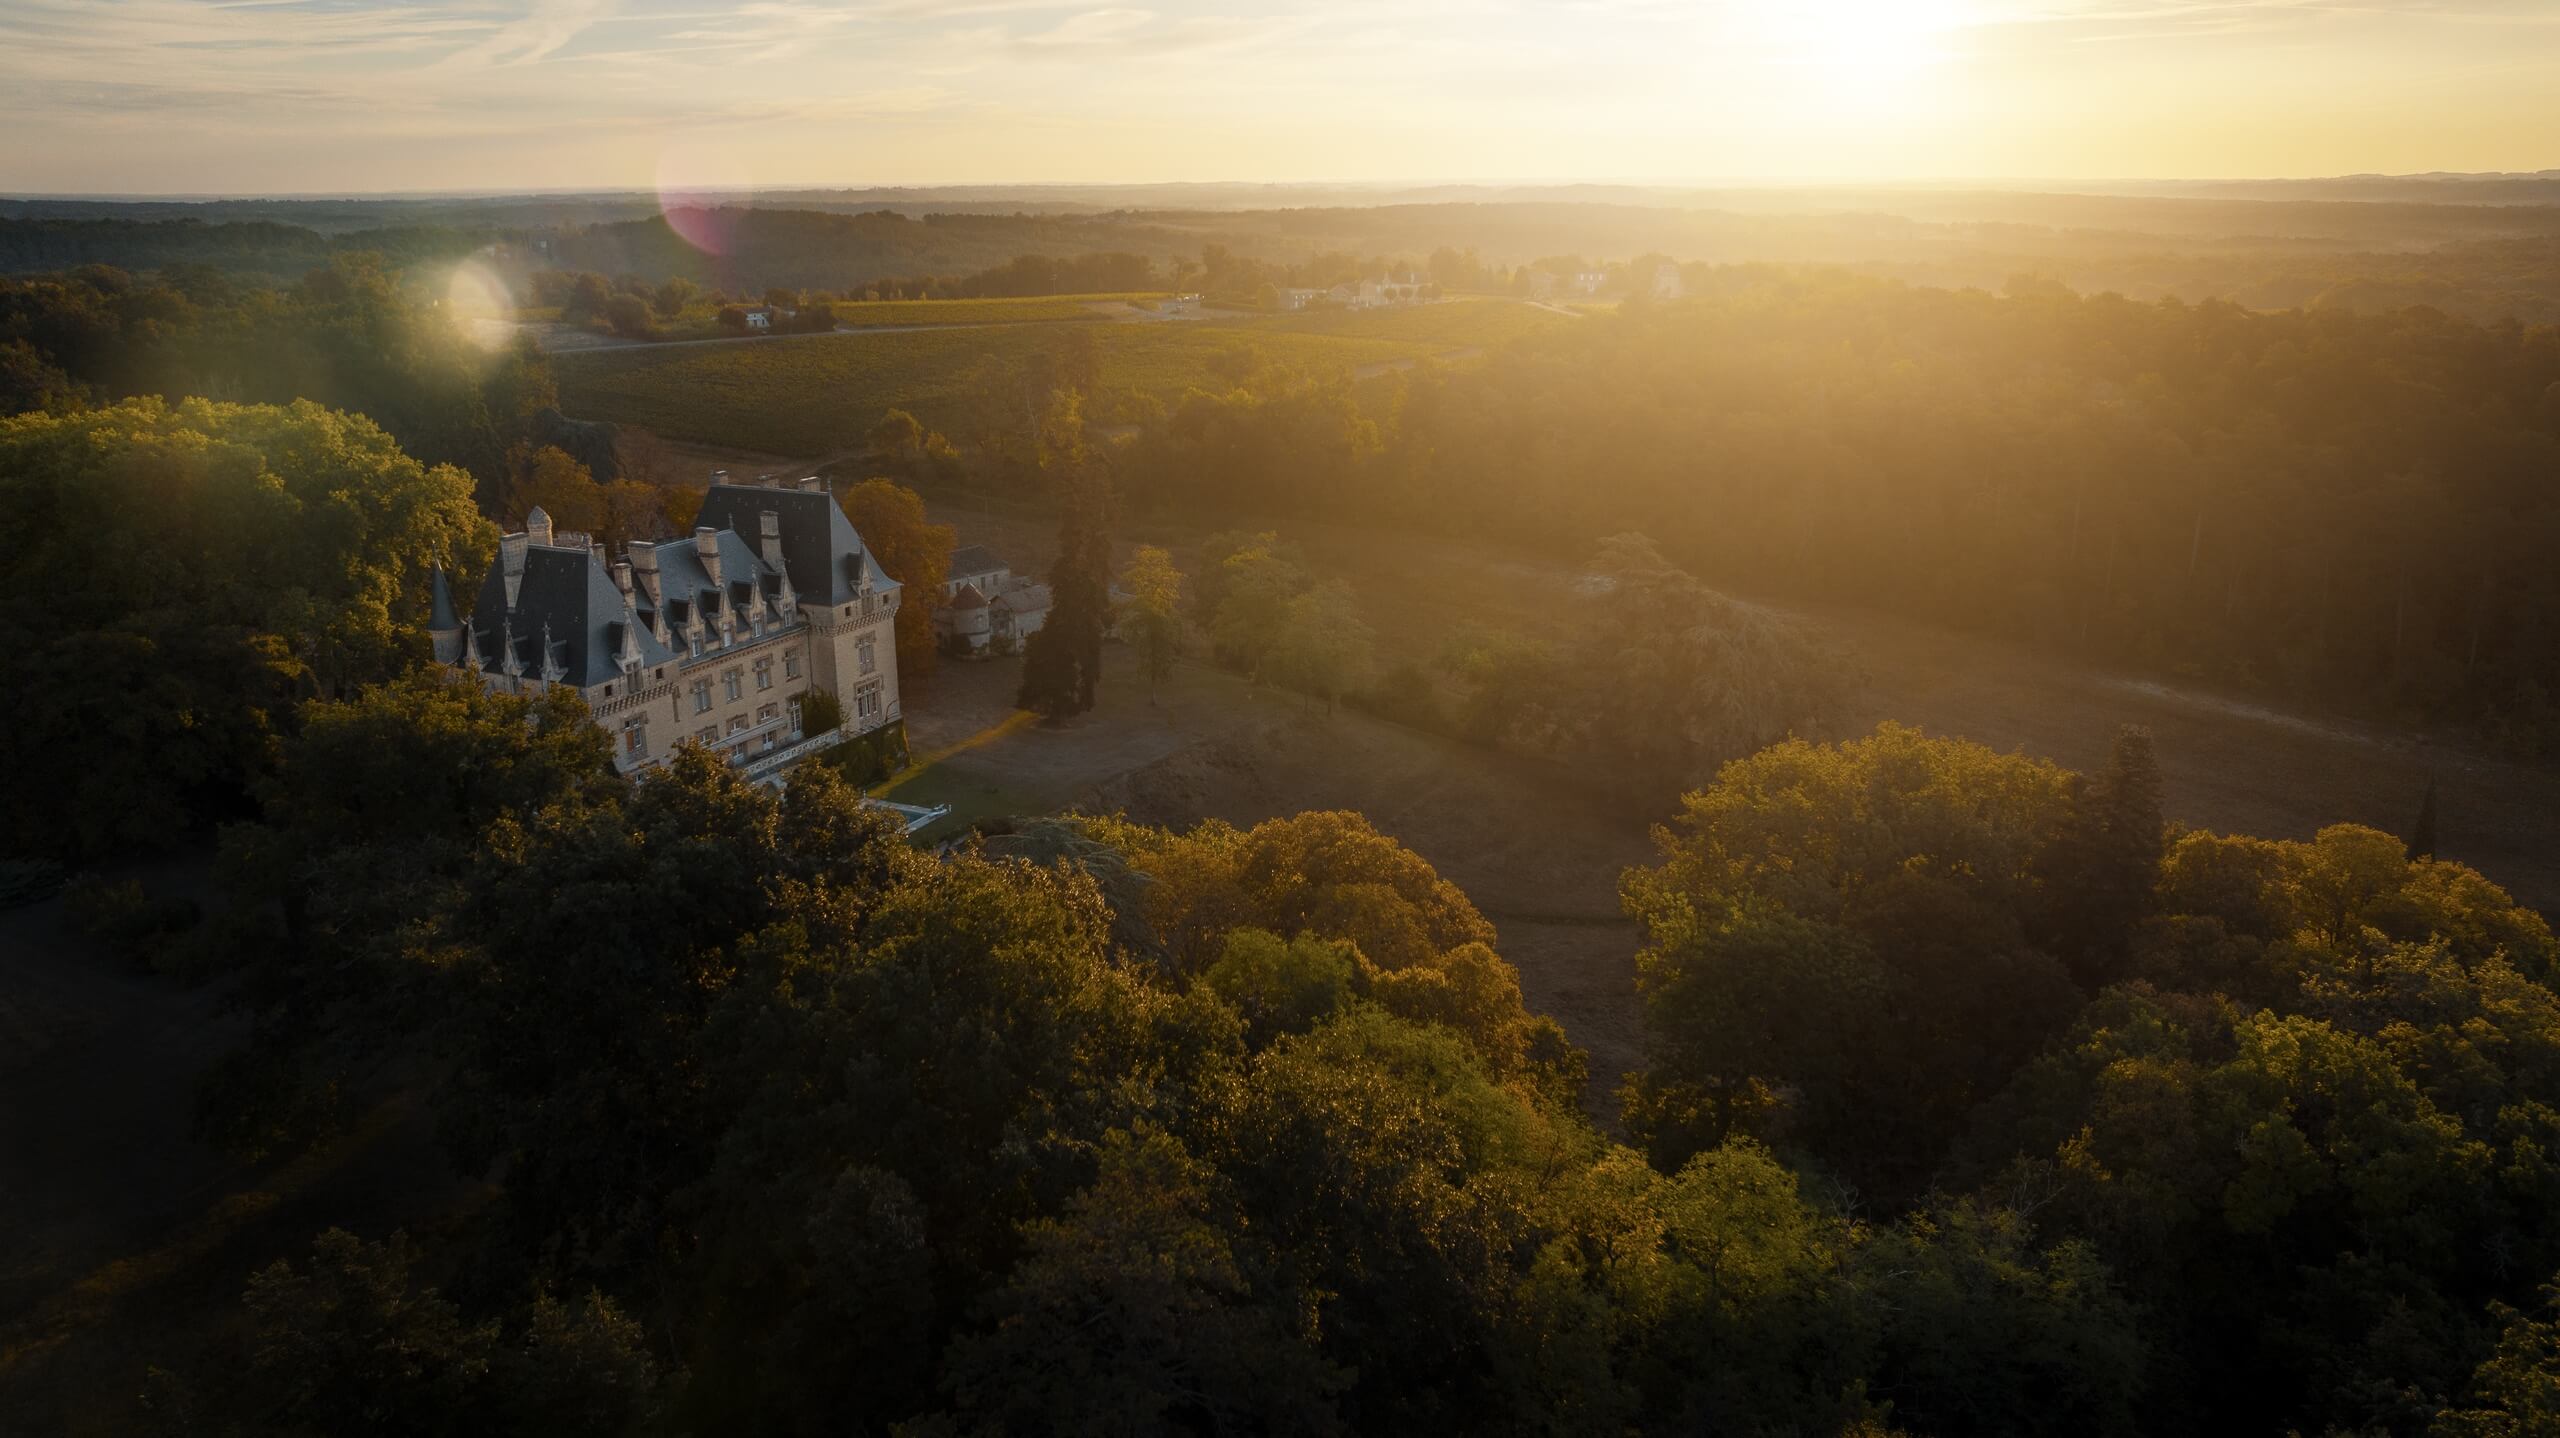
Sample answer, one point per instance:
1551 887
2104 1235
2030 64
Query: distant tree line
348 335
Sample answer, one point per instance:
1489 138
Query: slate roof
826 558
440 616
968 598
566 593
973 559
1024 599
684 582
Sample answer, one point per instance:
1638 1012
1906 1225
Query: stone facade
715 639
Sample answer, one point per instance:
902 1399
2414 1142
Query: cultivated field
817 394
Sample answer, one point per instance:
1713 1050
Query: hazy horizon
345 97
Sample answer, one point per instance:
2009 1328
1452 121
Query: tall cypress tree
1062 665
2098 872
2422 835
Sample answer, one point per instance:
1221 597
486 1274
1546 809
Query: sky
369 96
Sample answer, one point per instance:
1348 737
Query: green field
1034 310
1475 324
817 395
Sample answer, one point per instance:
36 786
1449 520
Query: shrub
1405 695
124 922
820 711
28 881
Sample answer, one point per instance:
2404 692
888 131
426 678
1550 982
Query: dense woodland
349 334
2335 508
1978 1101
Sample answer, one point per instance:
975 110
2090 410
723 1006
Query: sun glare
1857 55
477 299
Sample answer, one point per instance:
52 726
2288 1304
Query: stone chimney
769 527
644 565
621 579
813 484
537 526
706 547
511 550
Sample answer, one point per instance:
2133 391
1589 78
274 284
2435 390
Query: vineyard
811 396
1035 310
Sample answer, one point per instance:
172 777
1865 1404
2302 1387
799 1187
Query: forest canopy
201 569
2055 1112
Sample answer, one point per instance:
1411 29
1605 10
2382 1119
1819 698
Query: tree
1062 665
2422 834
2100 867
672 297
208 566
1152 619
733 318
897 438
1324 647
1255 589
548 479
913 551
629 317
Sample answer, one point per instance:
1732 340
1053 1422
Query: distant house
1375 294
1548 285
1298 299
987 608
1666 283
760 319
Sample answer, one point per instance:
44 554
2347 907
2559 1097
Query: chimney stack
537 525
644 565
622 579
769 527
706 546
511 550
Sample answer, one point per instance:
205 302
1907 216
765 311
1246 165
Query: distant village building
716 638
987 608
1667 284
1548 285
761 318
1300 298
1376 294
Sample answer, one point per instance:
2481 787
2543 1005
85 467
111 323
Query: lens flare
697 187
478 302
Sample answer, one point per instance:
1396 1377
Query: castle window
707 734
635 737
701 696
737 722
791 665
862 653
768 713
736 681
764 674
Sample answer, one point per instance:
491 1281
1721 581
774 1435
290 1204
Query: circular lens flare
698 188
478 302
